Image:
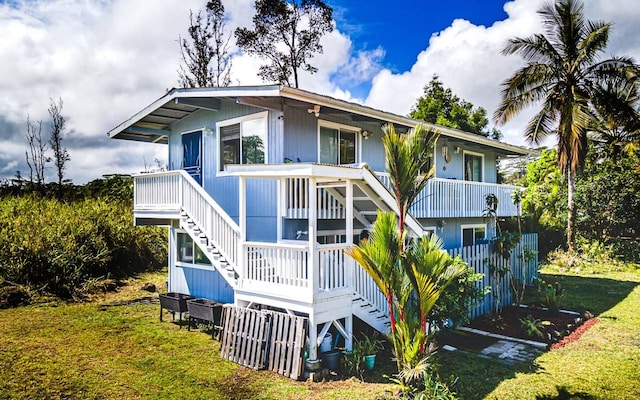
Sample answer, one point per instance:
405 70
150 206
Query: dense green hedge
56 246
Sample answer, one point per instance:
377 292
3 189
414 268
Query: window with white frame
473 166
337 144
471 234
189 252
243 140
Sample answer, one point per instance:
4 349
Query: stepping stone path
511 352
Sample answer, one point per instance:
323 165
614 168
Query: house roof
152 123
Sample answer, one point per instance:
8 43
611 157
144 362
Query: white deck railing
336 268
177 190
297 202
276 264
450 198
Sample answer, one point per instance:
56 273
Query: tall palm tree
617 124
562 74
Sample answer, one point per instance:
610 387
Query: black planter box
174 302
206 311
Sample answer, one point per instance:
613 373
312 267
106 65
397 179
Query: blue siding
454 168
207 283
261 194
451 233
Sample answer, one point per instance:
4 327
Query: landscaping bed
530 323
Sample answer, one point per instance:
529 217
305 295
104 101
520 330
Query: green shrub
55 246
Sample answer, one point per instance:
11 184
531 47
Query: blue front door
192 155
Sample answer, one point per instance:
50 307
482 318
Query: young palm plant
412 274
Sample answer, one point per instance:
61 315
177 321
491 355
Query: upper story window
243 140
337 143
473 166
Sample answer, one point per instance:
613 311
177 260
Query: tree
411 274
206 61
60 154
564 73
440 106
616 127
287 33
36 155
609 195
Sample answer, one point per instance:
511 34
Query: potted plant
369 347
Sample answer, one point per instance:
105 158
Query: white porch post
242 223
312 230
313 266
347 264
280 187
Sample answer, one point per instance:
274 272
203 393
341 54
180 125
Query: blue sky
108 59
404 29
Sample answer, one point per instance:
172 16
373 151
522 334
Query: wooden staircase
226 269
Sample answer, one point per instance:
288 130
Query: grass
96 350
603 364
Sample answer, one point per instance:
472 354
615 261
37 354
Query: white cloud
109 59
468 58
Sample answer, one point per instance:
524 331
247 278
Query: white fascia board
295 170
270 90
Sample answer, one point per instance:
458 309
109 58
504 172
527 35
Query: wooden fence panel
286 345
264 339
479 257
244 336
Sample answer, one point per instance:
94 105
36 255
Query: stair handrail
232 224
379 187
228 247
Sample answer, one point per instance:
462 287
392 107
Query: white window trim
471 226
335 125
431 229
473 153
239 120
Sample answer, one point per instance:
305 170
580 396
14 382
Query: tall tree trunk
571 211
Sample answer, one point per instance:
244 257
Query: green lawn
98 351
95 350
603 364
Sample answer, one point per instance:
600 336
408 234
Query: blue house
267 186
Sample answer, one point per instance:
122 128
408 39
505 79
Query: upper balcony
451 198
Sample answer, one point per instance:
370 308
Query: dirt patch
553 328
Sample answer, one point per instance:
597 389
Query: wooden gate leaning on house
264 339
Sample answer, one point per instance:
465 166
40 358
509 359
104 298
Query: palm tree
408 161
617 124
563 74
415 274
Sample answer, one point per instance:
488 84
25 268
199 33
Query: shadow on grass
477 377
565 394
595 295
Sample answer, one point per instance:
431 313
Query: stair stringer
218 261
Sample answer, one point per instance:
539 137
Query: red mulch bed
575 335
561 327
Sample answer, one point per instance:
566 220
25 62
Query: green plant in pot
369 347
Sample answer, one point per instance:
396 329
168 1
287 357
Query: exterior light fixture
207 131
315 110
365 134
